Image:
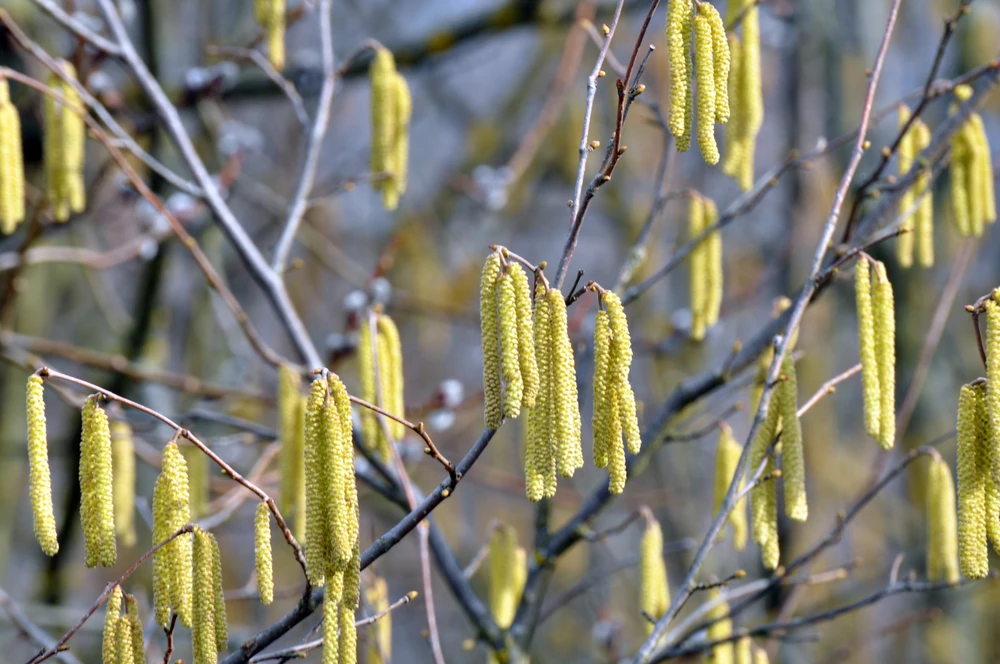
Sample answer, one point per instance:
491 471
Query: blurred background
498 95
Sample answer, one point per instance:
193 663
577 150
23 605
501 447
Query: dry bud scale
654 589
942 534
39 479
727 457
96 486
11 163
64 146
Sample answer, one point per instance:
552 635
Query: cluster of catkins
919 224
333 556
64 146
270 15
972 195
710 65
877 348
781 418
11 163
654 588
391 107
741 651
705 266
507 567
746 94
380 368
122 641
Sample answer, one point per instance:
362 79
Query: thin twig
430 448
168 632
257 58
30 629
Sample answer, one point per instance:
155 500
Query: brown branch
29 629
430 448
169 633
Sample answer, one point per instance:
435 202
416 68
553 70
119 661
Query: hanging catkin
399 147
135 625
747 96
722 628
525 335
763 496
866 347
330 628
507 573
906 151
885 354
11 163
721 60
792 457
39 480
679 18
563 390
705 67
172 562
510 364
654 589
220 618
262 554
603 392
203 626
319 492
942 536
96 487
924 219
539 458
727 457
291 422
197 465
992 389
391 373
380 643
697 269
126 654
490 334
109 642
123 463
381 356
743 651
972 477
64 143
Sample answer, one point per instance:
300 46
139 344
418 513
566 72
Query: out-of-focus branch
30 629
260 60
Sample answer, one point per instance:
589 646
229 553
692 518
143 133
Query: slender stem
30 629
418 428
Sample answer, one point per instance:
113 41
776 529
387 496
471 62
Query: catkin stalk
721 61
507 572
330 628
219 616
391 367
39 479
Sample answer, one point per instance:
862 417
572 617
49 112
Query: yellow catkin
792 458
330 630
11 163
972 546
126 654
748 105
713 263
391 366
539 460
866 347
162 507
697 269
603 381
348 637
678 47
734 128
123 463
906 152
490 333
510 365
974 172
109 642
525 335
763 496
617 468
39 479
654 589
380 644
722 628
924 221
705 70
178 513
343 506
992 395
96 487
289 435
197 465
504 590
721 61
66 188
383 112
203 624
684 140
959 186
885 353
262 551
398 154
135 625
371 431
942 535
743 651
621 342
565 401
727 457
276 34
986 192
220 618
318 492
760 656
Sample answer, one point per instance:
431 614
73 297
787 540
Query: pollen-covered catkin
942 534
721 60
319 493
565 403
11 163
161 558
747 95
262 549
678 49
959 186
96 487
734 128
123 464
727 458
654 589
697 269
64 143
866 347
539 457
763 496
507 572
343 508
992 389
792 458
172 562
219 615
906 152
885 353
290 426
135 625
39 479
391 366
525 334
490 334
924 219
621 356
109 642
705 69
986 192
722 628
203 623
399 151
510 365
972 546
126 654
330 630
348 637
380 644
603 381
197 466
743 651
383 112
713 263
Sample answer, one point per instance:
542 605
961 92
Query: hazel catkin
539 457
942 537
382 75
507 573
11 163
219 617
490 335
991 393
697 269
885 353
603 382
172 562
654 589
380 643
763 496
96 487
399 147
705 69
109 642
262 557
721 628
290 425
203 623
866 348
678 32
525 334
123 464
330 630
319 492
906 152
792 458
563 390
972 545
64 146
197 466
924 217
727 458
510 365
135 625
39 479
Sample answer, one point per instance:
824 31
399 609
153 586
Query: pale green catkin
539 460
603 381
64 154
992 346
503 569
678 49
727 457
525 334
379 649
654 589
330 629
219 615
924 222
763 496
510 364
39 479
866 348
348 637
109 644
135 625
343 515
734 128
713 262
621 343
11 163
792 457
319 493
906 152
290 425
721 628
262 554
172 562
942 535
697 269
959 186
566 403
162 506
705 71
383 112
490 334
743 651
391 366
986 193
126 654
123 463
885 353
96 487
972 545
203 625
721 60
371 431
